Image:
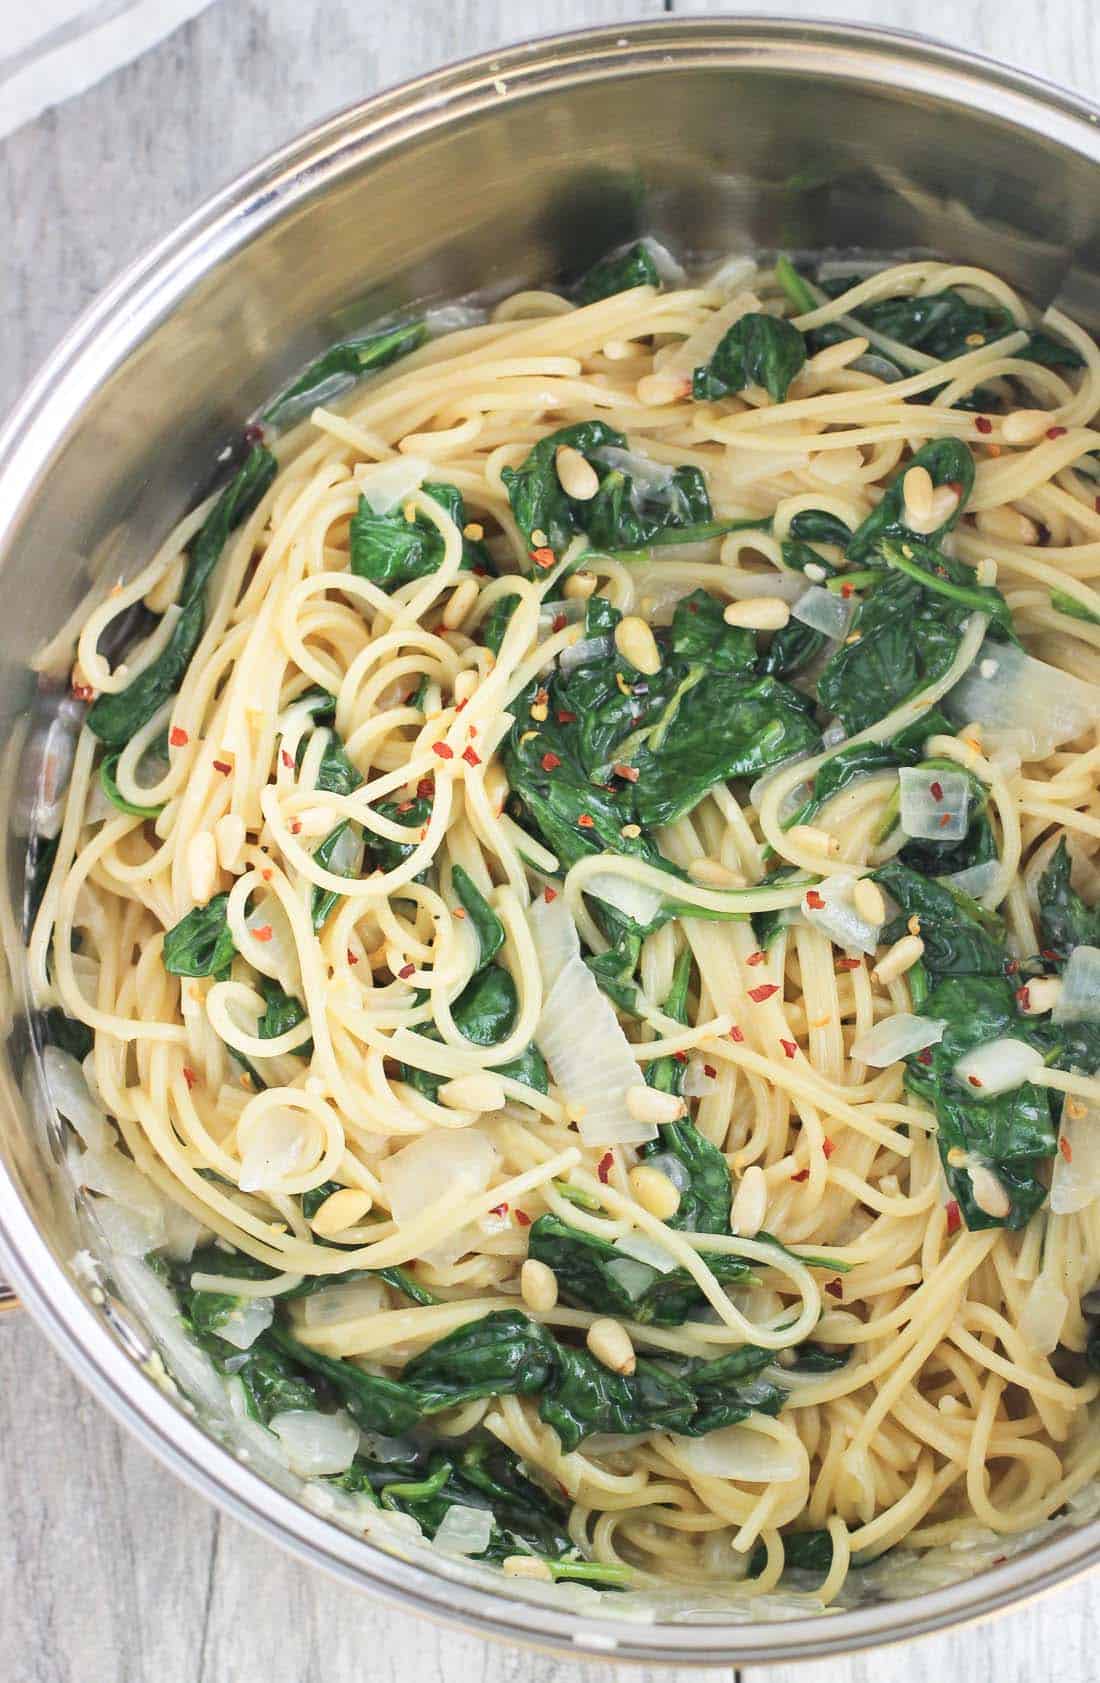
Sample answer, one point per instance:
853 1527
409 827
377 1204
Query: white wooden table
110 1571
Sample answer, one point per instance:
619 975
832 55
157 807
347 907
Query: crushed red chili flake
253 433
458 911
755 958
83 692
1049 954
681 1057
847 964
499 1210
984 424
558 623
936 790
1056 432
834 1288
189 1076
603 1167
586 822
541 697
814 900
177 737
406 971
543 557
549 894
955 486
709 1069
790 1047
267 875
564 717
287 759
1023 997
945 820
803 1174
1011 966
523 1218
828 1146
223 766
404 806
763 992
444 750
264 933
471 757
736 1035
847 589
975 1081
924 1057
1065 1148
352 957
425 789
954 1216
629 774
550 761
295 826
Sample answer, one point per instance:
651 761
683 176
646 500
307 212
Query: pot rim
115 323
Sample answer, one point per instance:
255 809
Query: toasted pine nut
465 684
1039 996
943 505
610 1344
1025 426
579 586
526 1566
750 1204
538 1285
867 898
647 1104
901 957
637 644
229 839
479 1092
837 356
815 840
832 467
758 613
1007 524
917 489
711 873
989 1194
462 600
473 530
340 1210
576 475
167 588
654 1191
657 389
202 866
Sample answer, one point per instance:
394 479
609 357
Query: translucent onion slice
742 1452
344 1303
697 1083
1043 1314
934 804
588 648
1030 706
998 1066
590 1059
554 935
1075 1179
838 918
635 1278
636 900
553 615
72 1099
646 474
386 485
823 610
976 879
897 1037
1079 1000
464 1530
645 1250
277 1147
433 1164
669 271
244 1325
317 1445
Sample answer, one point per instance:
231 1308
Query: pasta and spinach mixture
571 943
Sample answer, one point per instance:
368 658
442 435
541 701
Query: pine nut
465 684
832 467
202 866
711 873
943 505
576 475
813 839
901 957
868 901
1008 524
657 389
610 1344
1025 426
1039 996
646 1104
526 1566
341 1210
917 489
462 600
989 1195
473 530
478 1092
229 840
538 1285
837 356
579 586
750 1204
758 613
637 644
654 1191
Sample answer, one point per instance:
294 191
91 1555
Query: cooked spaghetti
567 906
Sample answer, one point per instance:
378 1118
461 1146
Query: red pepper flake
499 1210
847 589
834 1288
267 875
264 933
549 894
1023 997
984 424
444 750
924 1057
974 1081
790 1047
803 1174
223 766
955 487
709 1069
629 774
550 761
1049 954
1011 966
763 992
406 971
459 705
828 1146
954 1216
681 1057
1065 1148
603 1167
458 911
471 757
404 806
178 737
736 1035
755 958
83 692
564 717
425 789
287 760
945 819
189 1076
814 900
541 697
523 1218
295 826
558 623
586 822
847 964
253 433
1056 432
543 557
936 791
352 957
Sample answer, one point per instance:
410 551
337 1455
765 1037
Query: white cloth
52 49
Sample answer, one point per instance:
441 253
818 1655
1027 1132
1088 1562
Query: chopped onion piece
838 918
421 1173
797 796
634 1277
975 880
635 900
1079 1000
464 1530
590 1058
277 1147
645 1250
71 1098
317 1445
897 1037
668 270
554 935
1075 1180
127 1232
553 615
672 1166
1030 706
344 1303
934 804
645 473
588 648
386 485
346 859
1043 1314
452 318
833 735
244 1325
697 1083
823 610
742 1452
998 1066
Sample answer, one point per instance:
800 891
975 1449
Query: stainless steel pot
716 134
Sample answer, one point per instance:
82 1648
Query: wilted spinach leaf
758 350
351 358
634 267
